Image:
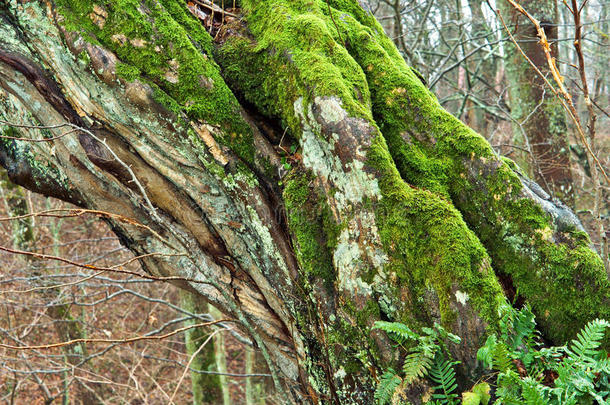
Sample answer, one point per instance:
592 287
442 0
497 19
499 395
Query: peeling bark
389 208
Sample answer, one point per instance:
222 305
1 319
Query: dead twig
214 8
126 340
104 269
591 126
562 94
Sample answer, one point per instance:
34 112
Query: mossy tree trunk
255 386
308 181
534 107
207 388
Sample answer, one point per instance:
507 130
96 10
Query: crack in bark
47 87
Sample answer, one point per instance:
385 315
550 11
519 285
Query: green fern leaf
524 327
416 365
533 392
501 358
386 387
485 352
399 332
442 373
589 340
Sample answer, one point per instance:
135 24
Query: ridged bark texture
308 181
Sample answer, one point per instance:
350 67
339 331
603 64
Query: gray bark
337 193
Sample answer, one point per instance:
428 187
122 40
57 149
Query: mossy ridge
314 230
315 233
297 31
277 73
272 24
510 224
431 247
170 49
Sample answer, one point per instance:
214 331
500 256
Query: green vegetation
532 374
315 231
295 53
523 370
434 151
160 43
430 165
428 358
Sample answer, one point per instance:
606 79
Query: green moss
160 42
430 247
165 99
564 282
297 53
127 72
259 78
84 58
436 152
200 38
296 47
314 230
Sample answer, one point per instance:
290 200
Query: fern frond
386 387
416 365
524 327
399 332
589 339
442 373
508 388
533 392
485 352
501 358
603 365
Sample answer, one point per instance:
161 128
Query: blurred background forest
97 332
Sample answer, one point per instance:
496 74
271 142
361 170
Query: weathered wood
337 193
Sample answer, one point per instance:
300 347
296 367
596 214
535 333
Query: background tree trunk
336 192
538 114
207 388
65 324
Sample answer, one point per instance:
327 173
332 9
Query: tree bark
295 172
533 106
206 388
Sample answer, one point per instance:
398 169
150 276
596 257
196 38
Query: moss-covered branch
538 242
391 208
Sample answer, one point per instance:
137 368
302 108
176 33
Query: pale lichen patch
98 16
330 109
120 39
138 42
340 374
268 244
461 297
352 182
347 258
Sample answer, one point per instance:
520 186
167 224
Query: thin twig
108 269
214 8
126 340
592 119
330 12
188 365
562 94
